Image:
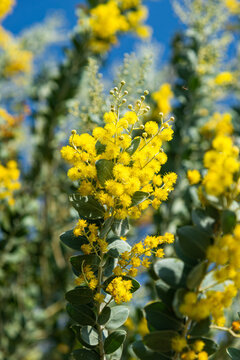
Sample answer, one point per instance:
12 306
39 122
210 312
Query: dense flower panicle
5 7
9 176
189 352
113 17
131 171
163 98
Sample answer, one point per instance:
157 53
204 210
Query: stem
223 328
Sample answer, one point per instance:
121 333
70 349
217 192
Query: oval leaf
160 318
193 241
134 145
196 275
138 197
83 315
233 353
87 206
117 247
160 341
72 241
104 315
104 170
79 260
89 335
114 341
78 296
120 227
83 354
172 271
119 315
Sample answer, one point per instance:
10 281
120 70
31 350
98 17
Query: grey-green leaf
134 145
89 335
114 341
172 271
196 275
84 354
79 296
87 206
73 242
233 353
104 170
138 197
160 341
120 227
117 247
81 314
119 315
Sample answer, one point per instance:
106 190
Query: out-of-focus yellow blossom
9 176
108 20
16 59
178 343
163 98
222 161
193 176
5 7
236 326
214 303
219 124
233 6
224 78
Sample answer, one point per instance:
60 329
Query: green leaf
135 283
109 266
114 341
84 354
120 227
196 275
106 227
164 291
89 335
117 355
119 315
160 341
143 353
87 206
233 353
210 346
138 197
104 170
177 301
202 220
201 328
82 314
117 247
179 252
78 261
79 296
134 145
172 271
160 318
72 241
104 316
228 221
100 148
193 241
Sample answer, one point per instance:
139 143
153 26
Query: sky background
161 18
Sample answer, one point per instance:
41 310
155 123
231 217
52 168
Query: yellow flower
194 176
163 98
120 289
233 6
224 78
5 7
178 343
9 176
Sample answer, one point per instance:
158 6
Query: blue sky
161 18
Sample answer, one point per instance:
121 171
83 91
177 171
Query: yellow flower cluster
108 19
193 352
224 78
213 303
16 59
120 289
132 172
138 256
193 176
87 277
233 6
225 253
219 124
221 162
9 176
90 232
163 98
5 7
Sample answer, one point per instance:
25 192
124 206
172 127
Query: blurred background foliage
42 98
